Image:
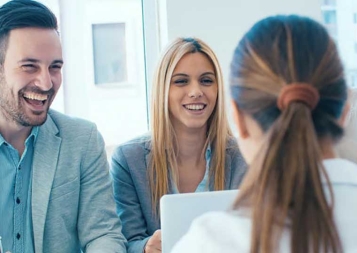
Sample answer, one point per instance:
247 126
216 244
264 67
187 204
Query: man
56 194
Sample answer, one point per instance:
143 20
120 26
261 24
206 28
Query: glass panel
340 18
329 17
109 53
329 2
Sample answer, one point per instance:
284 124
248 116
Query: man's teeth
194 107
35 96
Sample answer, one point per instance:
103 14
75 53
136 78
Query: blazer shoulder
232 143
138 146
69 124
234 155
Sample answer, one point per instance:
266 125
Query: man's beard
14 109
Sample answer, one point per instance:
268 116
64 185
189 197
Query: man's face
30 76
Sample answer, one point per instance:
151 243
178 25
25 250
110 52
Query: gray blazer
129 170
73 207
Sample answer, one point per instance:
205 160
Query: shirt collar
33 136
2 140
208 152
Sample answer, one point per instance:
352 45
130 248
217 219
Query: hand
153 245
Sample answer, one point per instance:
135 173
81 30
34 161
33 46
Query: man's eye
56 67
28 66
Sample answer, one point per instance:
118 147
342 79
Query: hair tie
301 92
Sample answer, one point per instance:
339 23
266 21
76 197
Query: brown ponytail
287 190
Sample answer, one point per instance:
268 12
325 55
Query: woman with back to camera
190 147
289 98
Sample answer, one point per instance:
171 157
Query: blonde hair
163 142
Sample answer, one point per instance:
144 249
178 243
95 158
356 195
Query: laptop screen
177 211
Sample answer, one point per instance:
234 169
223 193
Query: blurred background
111 47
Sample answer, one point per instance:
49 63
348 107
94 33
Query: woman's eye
207 81
180 81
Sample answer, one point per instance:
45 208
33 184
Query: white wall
118 110
221 23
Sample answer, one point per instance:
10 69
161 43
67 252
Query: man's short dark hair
21 14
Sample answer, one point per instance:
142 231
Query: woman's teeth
194 107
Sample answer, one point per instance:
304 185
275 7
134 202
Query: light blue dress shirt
15 196
203 185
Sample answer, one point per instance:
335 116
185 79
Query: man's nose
44 80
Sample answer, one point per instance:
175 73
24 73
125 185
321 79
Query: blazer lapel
228 171
43 170
147 156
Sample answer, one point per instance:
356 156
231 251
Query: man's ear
239 121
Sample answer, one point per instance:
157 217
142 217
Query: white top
218 232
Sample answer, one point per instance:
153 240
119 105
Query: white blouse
229 232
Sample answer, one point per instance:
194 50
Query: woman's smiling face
193 92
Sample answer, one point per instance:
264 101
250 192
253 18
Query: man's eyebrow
57 61
29 60
60 61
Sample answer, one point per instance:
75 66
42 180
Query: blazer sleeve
99 229
127 203
237 167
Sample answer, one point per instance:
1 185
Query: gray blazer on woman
129 170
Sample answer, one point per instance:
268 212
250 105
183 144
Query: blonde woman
289 98
189 149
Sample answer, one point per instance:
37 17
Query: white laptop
177 211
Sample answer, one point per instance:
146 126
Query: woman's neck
190 146
327 149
